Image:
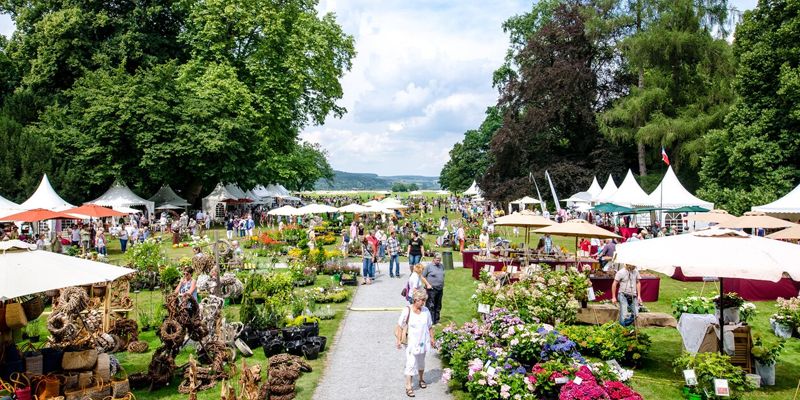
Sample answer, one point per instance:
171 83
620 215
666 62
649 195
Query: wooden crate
742 342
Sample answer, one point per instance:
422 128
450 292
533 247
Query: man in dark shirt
434 274
607 253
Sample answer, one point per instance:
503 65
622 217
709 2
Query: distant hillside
358 181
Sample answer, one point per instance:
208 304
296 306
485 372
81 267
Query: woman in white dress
420 339
416 282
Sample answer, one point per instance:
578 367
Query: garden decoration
284 370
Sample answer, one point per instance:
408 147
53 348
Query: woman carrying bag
414 330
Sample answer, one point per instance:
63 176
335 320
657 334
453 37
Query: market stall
650 287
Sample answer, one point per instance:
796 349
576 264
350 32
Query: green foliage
755 158
146 256
189 93
692 305
170 276
404 187
764 352
610 341
265 299
302 319
710 366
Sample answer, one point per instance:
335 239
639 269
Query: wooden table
599 314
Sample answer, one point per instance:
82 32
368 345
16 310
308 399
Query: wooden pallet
742 342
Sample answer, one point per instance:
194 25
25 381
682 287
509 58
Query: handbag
102 369
120 386
77 360
33 307
34 362
404 292
15 316
98 392
49 386
404 330
22 386
84 379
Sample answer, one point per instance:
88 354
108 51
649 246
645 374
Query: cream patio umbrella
24 271
578 228
756 219
713 216
790 233
524 219
285 211
717 252
316 209
354 208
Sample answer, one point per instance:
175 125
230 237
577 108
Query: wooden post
107 308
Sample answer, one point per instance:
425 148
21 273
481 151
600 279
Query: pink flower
447 374
504 391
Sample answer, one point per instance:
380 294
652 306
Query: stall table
650 286
498 264
599 314
751 289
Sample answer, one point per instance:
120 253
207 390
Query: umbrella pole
576 252
721 319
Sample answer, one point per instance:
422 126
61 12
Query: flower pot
693 396
766 372
311 328
294 333
321 341
295 347
273 347
311 351
782 331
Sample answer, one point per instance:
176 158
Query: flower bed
611 341
505 357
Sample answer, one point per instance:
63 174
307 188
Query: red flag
664 156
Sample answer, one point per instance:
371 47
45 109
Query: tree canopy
181 92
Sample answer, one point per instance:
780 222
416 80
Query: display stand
742 343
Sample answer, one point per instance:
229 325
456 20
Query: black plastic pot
295 347
294 333
312 329
311 351
321 341
273 347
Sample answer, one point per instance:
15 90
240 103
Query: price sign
690 377
721 388
484 308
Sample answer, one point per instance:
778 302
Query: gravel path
364 363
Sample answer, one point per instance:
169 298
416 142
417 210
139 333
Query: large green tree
470 157
181 92
684 86
548 121
756 157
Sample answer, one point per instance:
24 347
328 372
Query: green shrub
611 341
710 366
170 276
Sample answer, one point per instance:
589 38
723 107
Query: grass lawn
655 379
304 386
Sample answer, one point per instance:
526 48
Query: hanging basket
15 316
33 307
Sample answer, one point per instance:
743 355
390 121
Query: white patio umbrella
392 204
354 208
25 271
372 203
715 216
756 219
286 211
379 209
316 209
717 252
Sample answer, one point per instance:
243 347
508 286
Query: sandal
410 392
423 384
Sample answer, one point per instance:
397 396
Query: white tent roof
220 193
45 197
671 194
166 195
580 197
275 191
630 193
608 190
252 196
236 191
526 200
283 210
473 190
787 206
594 189
23 272
126 210
119 195
7 206
316 209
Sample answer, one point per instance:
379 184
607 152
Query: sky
421 78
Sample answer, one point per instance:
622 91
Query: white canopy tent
629 193
119 195
594 189
286 211
252 197
126 210
787 207
608 190
216 201
166 195
392 204
473 190
274 191
7 206
24 271
671 194
521 203
582 201
45 197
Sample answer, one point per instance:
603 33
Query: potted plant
766 356
145 320
32 331
787 319
729 303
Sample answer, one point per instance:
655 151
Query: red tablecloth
628 232
468 257
498 266
650 286
750 289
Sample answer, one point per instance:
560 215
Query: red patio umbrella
95 211
35 215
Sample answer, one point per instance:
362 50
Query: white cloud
6 25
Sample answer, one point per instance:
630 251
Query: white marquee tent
274 191
629 193
7 206
787 207
594 189
473 190
671 194
45 197
608 190
216 201
166 195
119 195
523 202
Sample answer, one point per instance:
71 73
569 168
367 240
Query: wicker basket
33 307
15 316
79 360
